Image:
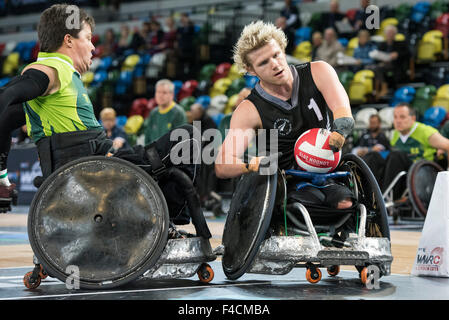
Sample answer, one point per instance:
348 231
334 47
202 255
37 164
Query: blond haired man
289 99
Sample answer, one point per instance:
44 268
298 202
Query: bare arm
245 120
337 99
437 141
52 74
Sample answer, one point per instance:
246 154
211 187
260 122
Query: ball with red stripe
313 153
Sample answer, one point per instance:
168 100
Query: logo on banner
429 262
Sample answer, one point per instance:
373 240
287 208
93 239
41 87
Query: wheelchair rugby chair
269 231
109 219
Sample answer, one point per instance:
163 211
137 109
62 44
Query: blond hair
107 113
254 36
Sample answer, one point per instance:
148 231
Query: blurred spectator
361 53
373 139
125 39
291 14
155 37
361 17
166 116
116 134
317 40
281 23
169 39
394 68
109 43
185 47
139 37
329 19
328 50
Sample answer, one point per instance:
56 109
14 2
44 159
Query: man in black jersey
291 99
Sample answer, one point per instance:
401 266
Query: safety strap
157 166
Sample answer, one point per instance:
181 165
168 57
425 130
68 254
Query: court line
138 291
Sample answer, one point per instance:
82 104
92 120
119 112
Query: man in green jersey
410 141
167 115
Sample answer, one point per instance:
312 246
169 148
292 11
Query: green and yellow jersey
68 109
159 122
416 143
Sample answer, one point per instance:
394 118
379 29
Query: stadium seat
221 71
361 86
87 78
403 12
133 124
386 117
186 102
386 22
303 51
442 24
217 104
207 71
250 80
235 87
423 99
11 64
204 100
403 94
230 104
434 116
362 117
138 107
303 34
352 44
346 78
234 73
188 88
219 87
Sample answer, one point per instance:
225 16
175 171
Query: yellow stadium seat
386 22
435 37
231 103
11 63
361 85
133 124
87 78
443 91
441 102
399 37
303 51
352 44
130 62
220 86
234 73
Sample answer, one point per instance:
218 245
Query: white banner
432 258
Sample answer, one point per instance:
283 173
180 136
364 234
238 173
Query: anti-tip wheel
333 270
28 283
313 276
205 273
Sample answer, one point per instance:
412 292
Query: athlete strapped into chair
111 217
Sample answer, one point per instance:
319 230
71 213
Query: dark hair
375 115
57 21
411 111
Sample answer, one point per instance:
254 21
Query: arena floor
16 260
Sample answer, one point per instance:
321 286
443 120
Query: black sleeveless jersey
305 110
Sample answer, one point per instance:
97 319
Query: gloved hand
336 141
257 163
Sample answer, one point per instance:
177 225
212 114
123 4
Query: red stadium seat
221 71
138 107
187 89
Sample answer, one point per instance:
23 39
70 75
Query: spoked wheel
420 181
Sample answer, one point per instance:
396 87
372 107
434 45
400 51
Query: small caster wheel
205 273
313 275
333 270
29 283
364 275
42 273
